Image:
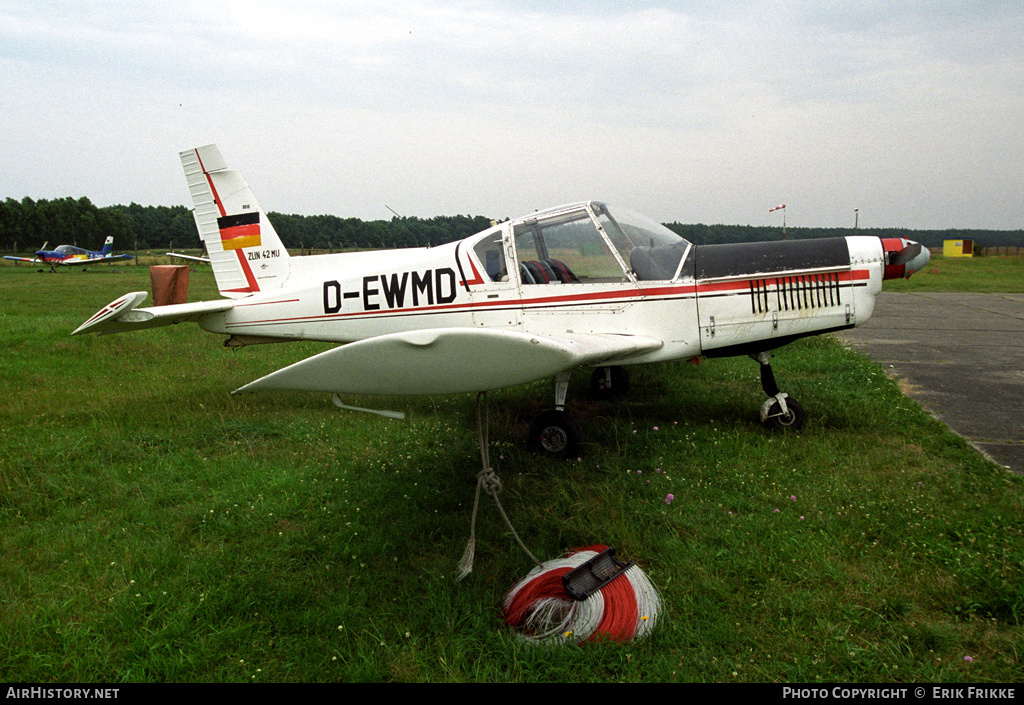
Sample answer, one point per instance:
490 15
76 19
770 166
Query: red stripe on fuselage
268 303
631 296
640 295
743 285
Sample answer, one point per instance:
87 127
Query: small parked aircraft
581 285
69 255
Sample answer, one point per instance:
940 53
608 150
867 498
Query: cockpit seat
562 271
548 271
657 263
539 272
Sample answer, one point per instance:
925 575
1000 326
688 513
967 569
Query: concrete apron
961 356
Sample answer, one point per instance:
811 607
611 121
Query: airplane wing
123 314
23 259
448 361
93 260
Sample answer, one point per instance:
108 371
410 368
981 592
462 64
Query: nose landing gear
780 412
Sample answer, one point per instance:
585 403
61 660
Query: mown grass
154 528
984 275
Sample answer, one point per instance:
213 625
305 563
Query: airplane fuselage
716 304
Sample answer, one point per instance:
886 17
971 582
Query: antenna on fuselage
398 215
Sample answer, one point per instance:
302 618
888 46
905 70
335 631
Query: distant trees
26 224
324 232
701 234
158 227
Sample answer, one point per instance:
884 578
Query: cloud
690 111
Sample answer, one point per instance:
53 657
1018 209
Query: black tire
555 434
793 420
604 386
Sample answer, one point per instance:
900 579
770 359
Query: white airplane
581 285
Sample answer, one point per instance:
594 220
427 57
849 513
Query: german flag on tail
239 231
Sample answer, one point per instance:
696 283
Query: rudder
246 253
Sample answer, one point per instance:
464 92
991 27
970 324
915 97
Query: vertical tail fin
245 251
108 246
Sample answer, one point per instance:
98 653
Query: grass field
985 275
154 528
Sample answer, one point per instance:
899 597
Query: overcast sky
702 111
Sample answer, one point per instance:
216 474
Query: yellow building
958 248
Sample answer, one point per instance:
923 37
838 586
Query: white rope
487 480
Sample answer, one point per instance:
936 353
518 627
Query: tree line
701 234
27 224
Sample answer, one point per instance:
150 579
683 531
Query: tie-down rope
487 480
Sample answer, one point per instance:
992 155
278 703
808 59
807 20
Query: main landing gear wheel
555 434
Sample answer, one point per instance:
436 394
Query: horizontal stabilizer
191 258
122 314
447 361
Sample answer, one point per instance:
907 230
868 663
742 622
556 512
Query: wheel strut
780 412
555 433
561 389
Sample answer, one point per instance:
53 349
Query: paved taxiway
961 356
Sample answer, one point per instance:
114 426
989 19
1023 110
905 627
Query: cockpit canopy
653 251
586 243
70 250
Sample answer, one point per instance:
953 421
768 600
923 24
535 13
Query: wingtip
112 310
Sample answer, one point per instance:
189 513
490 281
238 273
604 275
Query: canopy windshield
70 250
652 250
590 243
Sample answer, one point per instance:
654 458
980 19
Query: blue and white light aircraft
585 285
69 255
